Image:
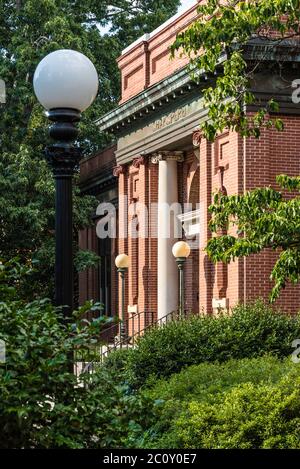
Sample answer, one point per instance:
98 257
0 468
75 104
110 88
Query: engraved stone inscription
170 118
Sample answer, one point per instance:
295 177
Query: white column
167 271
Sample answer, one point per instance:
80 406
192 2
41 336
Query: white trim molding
190 222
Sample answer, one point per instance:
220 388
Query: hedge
251 331
248 417
249 403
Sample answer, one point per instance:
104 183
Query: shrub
248 417
118 360
252 330
42 404
188 403
208 380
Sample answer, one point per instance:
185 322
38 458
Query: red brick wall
140 184
148 62
98 164
249 163
88 278
188 177
275 153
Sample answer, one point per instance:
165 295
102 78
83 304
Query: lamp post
122 263
65 83
181 251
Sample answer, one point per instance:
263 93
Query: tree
30 29
43 404
263 218
216 44
221 34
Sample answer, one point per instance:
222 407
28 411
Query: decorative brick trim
222 188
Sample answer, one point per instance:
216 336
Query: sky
184 5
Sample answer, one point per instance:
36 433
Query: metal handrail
131 340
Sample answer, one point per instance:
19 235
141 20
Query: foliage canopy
30 29
216 42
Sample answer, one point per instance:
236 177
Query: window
105 274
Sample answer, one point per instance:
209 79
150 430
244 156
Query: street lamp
181 251
65 83
122 263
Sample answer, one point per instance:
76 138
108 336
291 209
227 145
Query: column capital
197 136
167 156
137 162
117 170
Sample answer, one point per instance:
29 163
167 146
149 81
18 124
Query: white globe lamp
66 79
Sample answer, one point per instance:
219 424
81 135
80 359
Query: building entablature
150 101
165 115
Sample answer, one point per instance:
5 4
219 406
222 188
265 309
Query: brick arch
193 181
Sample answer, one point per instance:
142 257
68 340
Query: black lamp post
65 83
181 251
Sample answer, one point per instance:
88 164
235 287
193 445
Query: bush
42 404
118 360
208 380
252 330
191 410
248 417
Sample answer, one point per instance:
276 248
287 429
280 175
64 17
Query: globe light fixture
65 83
66 79
122 262
181 251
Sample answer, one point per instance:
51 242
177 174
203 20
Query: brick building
159 160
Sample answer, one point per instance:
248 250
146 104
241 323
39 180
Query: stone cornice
95 186
149 101
265 50
180 83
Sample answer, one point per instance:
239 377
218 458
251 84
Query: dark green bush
191 409
42 404
118 360
251 331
